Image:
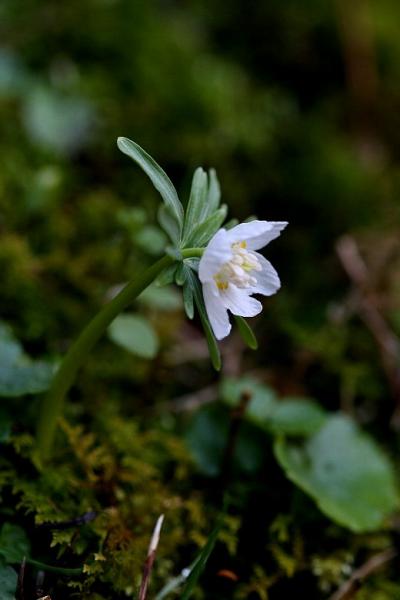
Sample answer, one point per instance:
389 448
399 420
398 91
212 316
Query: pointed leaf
211 341
246 333
197 201
214 192
168 223
203 232
201 561
167 276
159 178
181 274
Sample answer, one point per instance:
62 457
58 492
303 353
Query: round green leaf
135 334
344 471
296 416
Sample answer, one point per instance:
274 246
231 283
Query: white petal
239 302
268 282
216 311
257 234
217 252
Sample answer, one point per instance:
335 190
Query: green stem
50 569
52 404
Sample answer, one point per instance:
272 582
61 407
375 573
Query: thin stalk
52 404
51 569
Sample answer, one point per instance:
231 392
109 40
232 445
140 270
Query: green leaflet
159 178
197 201
203 232
246 333
169 223
198 298
214 193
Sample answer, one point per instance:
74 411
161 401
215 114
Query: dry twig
351 587
387 342
151 555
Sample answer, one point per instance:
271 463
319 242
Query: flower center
238 270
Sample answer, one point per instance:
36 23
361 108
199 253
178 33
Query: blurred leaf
207 437
14 543
167 299
5 426
58 122
297 416
346 473
291 416
151 239
197 201
8 582
135 334
159 178
263 399
18 374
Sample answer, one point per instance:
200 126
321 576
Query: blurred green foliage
296 106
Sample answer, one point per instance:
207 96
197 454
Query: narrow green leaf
201 561
159 178
246 333
211 341
214 192
197 201
167 276
188 300
180 275
135 334
169 223
203 232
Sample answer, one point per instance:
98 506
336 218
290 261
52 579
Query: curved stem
51 569
52 404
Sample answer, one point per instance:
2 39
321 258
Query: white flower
231 271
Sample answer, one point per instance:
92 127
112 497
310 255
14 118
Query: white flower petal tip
231 271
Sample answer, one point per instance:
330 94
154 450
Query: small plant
225 261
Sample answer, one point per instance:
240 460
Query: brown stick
350 587
151 555
386 340
19 594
